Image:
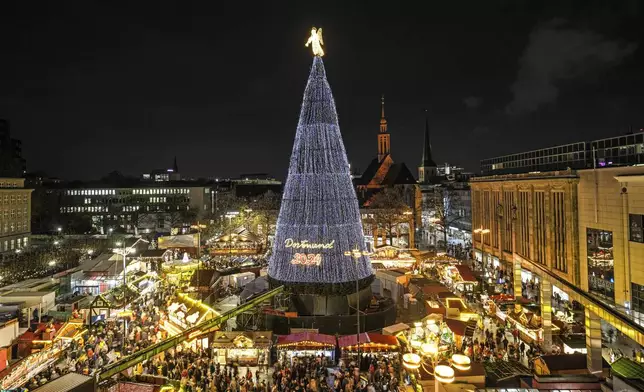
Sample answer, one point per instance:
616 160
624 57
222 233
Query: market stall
528 323
305 344
384 345
237 241
184 312
392 257
242 348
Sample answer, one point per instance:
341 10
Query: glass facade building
623 150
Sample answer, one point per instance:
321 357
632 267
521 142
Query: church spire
383 120
384 141
427 168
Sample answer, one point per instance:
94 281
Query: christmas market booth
239 241
185 312
242 348
390 256
179 272
527 322
461 278
386 345
305 344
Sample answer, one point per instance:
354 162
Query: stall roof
230 338
68 382
570 362
306 337
466 273
394 329
154 253
366 338
456 326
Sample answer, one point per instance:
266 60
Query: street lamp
59 229
427 355
52 263
123 251
356 254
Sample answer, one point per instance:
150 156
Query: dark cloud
472 102
557 52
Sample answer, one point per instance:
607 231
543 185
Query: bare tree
444 206
265 211
388 210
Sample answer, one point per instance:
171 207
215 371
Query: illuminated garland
319 204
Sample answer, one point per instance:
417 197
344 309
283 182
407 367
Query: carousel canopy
306 339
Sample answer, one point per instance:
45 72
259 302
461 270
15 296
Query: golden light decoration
411 361
316 42
444 374
461 362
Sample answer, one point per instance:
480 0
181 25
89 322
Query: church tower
384 142
427 169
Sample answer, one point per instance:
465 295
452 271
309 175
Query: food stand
242 348
305 344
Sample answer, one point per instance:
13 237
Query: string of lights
319 203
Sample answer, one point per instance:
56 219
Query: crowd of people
104 343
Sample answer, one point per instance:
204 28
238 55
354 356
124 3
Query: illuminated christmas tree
319 221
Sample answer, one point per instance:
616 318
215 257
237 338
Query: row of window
15 244
601 266
133 199
511 212
90 192
84 209
108 192
10 184
161 191
14 213
14 227
546 152
14 199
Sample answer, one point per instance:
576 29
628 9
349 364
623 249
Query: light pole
356 254
123 251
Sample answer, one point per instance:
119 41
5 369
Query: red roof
466 273
302 337
376 338
434 288
456 326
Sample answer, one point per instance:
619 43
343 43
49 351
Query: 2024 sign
307 259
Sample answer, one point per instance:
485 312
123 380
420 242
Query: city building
621 150
133 205
383 173
164 175
578 232
12 164
15 214
446 215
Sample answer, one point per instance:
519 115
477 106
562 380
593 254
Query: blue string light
319 204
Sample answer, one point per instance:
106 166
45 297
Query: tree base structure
343 324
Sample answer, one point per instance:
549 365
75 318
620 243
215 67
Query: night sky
93 87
